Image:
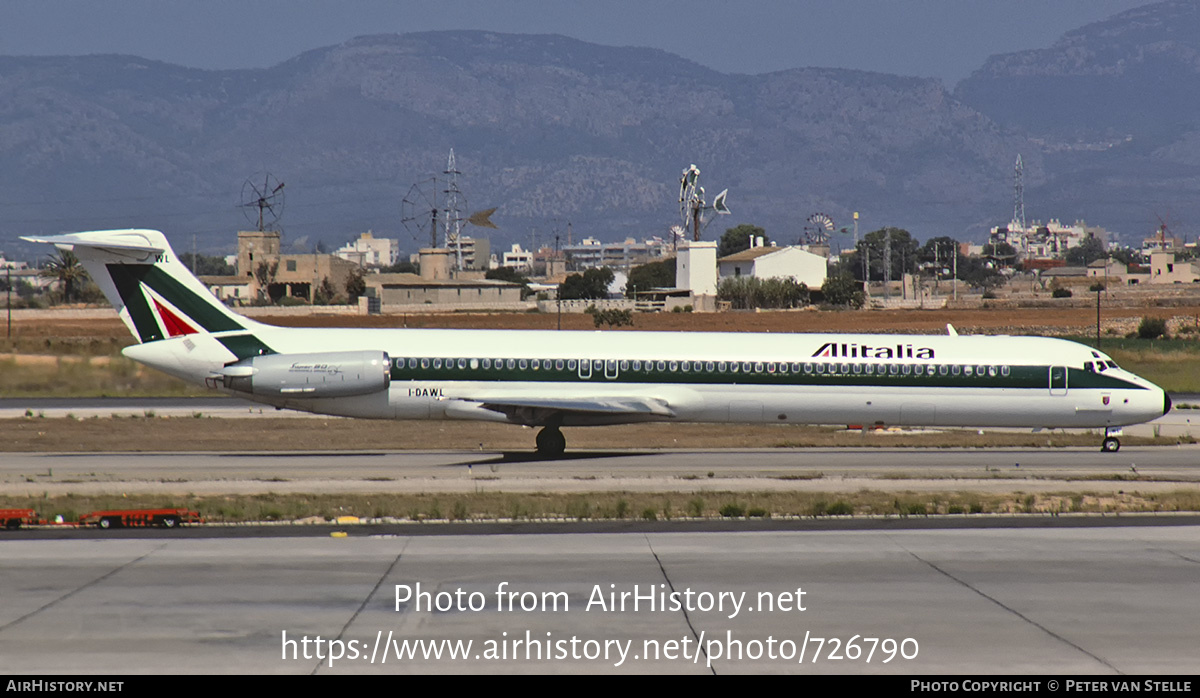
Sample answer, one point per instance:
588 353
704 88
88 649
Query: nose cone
1166 402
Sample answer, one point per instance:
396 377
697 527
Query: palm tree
67 271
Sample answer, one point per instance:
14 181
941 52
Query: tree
404 266
659 274
1086 252
356 285
67 271
746 292
843 290
737 239
508 274
591 284
206 265
873 246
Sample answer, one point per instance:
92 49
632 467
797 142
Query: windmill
262 191
435 207
818 228
692 206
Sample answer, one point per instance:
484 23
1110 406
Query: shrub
733 510
1061 293
1152 328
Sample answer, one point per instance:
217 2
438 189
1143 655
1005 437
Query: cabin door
585 368
610 369
1058 380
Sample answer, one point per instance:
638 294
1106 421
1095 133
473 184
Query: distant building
438 286
370 251
232 290
273 275
1040 241
591 253
517 258
476 252
783 262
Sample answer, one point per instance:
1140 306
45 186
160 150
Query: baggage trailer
12 519
119 518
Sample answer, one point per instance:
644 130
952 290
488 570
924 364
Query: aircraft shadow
534 457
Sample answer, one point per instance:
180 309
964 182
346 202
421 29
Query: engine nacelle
328 374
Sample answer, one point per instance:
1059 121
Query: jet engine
328 374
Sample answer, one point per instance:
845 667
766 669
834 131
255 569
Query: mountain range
549 129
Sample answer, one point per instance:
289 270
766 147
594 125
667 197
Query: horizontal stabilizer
133 240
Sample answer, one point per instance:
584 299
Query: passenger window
747 367
474 364
674 366
758 367
820 368
524 364
571 364
558 364
808 368
904 370
942 370
783 367
795 367
662 365
771 367
709 366
462 363
412 363
437 363
734 366
686 366
512 364
1004 370
992 371
967 370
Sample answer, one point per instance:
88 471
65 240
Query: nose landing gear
551 443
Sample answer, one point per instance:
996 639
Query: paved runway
1061 601
833 470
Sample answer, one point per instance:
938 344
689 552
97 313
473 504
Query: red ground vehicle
12 519
117 518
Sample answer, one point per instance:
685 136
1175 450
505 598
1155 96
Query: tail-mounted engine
329 374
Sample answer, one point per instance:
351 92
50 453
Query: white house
768 262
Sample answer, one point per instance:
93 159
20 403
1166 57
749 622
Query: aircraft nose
1166 402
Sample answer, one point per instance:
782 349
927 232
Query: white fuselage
867 380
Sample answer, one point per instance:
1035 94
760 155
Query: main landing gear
551 443
1111 443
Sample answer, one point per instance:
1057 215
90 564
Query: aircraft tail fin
154 293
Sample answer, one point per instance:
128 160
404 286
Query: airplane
553 379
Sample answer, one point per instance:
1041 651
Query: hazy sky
931 38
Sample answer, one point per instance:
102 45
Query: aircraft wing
583 403
600 405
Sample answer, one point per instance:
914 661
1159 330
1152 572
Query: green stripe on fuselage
1019 377
245 346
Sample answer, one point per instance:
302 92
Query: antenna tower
1019 192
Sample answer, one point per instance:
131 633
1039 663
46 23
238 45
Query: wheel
1111 445
12 524
169 521
551 442
106 523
